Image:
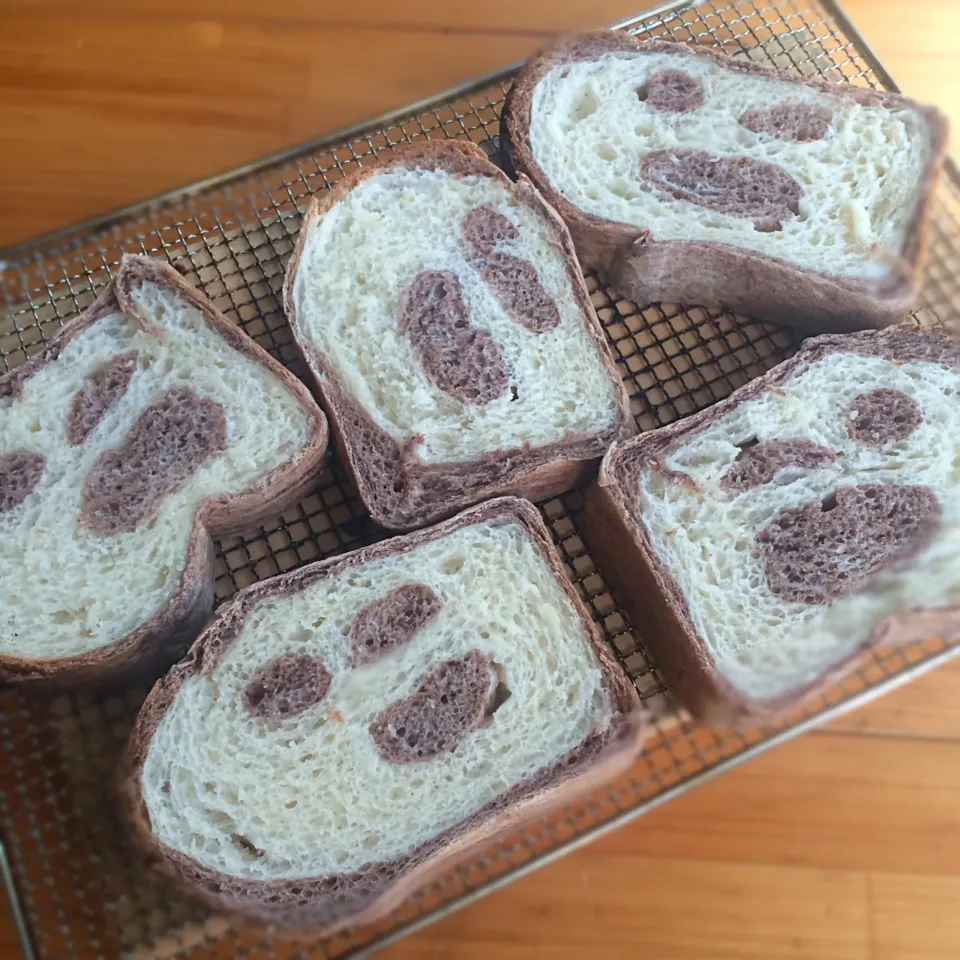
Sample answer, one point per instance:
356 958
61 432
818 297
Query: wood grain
926 710
601 903
914 917
843 844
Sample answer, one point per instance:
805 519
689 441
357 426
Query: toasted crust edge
716 275
531 472
618 745
161 638
620 543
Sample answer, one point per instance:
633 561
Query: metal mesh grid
83 893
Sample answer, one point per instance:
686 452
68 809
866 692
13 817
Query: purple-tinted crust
98 395
398 488
153 645
391 622
324 904
12 383
20 472
618 539
713 274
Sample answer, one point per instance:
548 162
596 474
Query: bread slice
443 313
691 177
150 424
339 734
762 545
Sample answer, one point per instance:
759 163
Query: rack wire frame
75 888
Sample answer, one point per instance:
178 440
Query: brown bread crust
321 905
716 275
155 643
620 543
400 491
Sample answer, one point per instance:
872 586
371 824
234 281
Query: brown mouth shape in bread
875 504
449 700
400 489
134 474
721 274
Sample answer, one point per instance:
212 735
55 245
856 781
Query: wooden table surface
843 845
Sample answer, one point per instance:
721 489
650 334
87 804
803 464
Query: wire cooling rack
77 890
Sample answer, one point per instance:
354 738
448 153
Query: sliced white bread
443 313
150 424
691 177
339 734
763 545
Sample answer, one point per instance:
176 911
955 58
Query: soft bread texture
285 777
763 545
688 176
444 316
148 425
